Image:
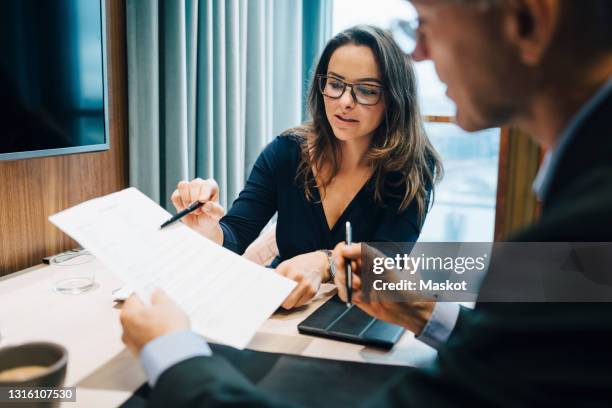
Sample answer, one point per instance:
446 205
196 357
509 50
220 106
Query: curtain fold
173 97
210 82
143 96
191 20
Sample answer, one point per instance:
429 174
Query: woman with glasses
363 157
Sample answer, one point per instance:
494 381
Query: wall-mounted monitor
53 91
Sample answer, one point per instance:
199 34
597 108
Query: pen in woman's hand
192 207
349 270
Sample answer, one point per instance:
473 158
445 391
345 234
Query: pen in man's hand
192 207
349 270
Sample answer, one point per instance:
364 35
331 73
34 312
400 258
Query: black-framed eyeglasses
362 93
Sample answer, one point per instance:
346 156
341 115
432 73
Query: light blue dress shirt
165 351
440 325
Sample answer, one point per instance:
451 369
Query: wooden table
104 372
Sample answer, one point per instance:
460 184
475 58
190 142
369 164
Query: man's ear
531 26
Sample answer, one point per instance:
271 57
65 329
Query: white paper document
226 296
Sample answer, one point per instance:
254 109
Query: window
464 208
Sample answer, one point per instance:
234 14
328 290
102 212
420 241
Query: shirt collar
541 183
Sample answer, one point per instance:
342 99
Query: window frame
516 206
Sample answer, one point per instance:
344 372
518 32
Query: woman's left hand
308 271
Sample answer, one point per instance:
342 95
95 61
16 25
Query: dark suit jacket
500 354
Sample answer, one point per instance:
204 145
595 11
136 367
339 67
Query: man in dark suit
542 65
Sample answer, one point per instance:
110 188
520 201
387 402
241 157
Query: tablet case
336 321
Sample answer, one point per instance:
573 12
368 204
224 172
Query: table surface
106 374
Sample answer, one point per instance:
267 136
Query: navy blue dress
301 225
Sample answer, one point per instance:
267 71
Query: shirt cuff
229 239
440 326
165 351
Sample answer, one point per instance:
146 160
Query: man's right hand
144 323
413 313
205 219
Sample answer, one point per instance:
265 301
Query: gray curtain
210 82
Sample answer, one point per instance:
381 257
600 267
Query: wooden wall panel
519 159
33 189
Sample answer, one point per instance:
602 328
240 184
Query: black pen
349 270
192 207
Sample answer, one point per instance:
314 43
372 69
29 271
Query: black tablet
336 321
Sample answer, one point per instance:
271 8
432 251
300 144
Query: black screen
51 77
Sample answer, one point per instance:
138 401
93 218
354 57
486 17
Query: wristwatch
331 266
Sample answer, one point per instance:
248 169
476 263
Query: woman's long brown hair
399 144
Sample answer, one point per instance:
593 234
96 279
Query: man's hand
308 270
413 313
141 323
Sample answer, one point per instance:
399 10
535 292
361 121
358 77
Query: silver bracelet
331 266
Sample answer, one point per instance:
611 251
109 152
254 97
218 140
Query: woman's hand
413 312
205 219
308 270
